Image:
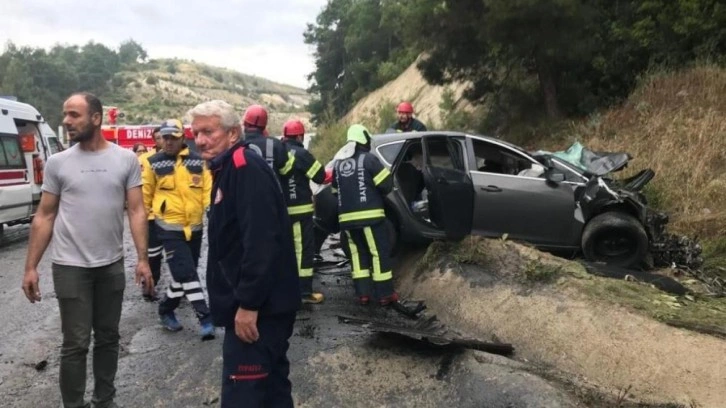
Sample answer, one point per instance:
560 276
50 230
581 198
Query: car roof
384 138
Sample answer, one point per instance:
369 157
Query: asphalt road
333 365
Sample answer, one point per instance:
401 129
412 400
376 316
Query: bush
151 80
328 140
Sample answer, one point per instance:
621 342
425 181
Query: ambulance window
10 155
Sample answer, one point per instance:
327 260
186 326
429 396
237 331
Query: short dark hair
156 130
94 104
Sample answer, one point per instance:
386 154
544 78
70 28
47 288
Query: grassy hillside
167 88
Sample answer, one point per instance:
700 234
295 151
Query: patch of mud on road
597 334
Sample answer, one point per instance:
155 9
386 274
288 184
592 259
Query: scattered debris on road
428 329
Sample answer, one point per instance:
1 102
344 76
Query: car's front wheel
615 238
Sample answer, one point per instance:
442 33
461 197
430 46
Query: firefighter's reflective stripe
269 157
301 209
188 229
288 164
357 272
298 240
378 274
313 169
362 215
380 177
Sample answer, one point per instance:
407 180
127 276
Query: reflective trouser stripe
380 177
288 165
191 285
362 215
301 209
313 169
192 297
378 274
298 240
358 273
155 251
175 290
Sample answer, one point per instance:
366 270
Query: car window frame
456 139
471 157
395 158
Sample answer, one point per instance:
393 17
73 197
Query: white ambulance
26 142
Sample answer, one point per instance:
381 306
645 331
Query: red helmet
293 128
404 107
256 116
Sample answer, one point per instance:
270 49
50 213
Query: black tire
615 238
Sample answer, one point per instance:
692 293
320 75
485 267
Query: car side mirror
554 176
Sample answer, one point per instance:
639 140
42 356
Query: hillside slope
409 86
164 88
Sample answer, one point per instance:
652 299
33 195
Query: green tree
131 52
358 48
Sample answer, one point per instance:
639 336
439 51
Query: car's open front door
450 191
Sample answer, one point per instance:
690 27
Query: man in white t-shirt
81 210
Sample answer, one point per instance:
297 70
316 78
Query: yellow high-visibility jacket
144 161
177 190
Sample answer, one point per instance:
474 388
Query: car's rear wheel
615 238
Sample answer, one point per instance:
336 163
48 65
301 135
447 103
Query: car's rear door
511 199
450 191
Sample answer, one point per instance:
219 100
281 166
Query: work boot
207 331
168 320
313 298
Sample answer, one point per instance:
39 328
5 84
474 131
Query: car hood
590 162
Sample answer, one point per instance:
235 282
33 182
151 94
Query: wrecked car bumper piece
427 329
676 251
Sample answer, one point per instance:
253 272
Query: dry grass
674 123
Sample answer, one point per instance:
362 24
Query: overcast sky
258 37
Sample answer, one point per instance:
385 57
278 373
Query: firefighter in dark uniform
177 188
362 182
251 271
406 122
271 149
300 205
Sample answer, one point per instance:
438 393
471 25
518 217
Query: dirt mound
605 333
411 86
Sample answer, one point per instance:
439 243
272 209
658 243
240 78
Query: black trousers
256 375
182 256
155 252
304 237
371 261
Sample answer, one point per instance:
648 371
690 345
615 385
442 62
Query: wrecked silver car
448 185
